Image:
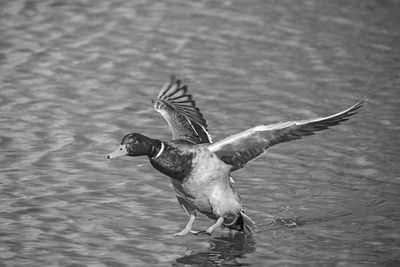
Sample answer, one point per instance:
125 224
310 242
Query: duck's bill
119 152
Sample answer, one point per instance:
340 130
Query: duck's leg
210 229
192 217
188 227
217 224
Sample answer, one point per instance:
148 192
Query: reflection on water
76 76
229 249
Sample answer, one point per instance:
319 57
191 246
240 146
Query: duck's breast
208 186
175 161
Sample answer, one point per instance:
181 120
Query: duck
200 169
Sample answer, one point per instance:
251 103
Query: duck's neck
156 148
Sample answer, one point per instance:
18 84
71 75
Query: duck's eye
120 149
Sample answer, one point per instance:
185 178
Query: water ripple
77 76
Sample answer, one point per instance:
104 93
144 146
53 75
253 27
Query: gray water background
77 75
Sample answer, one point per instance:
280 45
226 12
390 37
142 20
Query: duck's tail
242 223
249 226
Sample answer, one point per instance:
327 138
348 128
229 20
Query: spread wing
237 150
178 108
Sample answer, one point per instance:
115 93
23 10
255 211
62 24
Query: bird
200 169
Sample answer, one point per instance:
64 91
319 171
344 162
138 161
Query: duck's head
135 144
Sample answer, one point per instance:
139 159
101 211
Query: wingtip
363 100
358 105
168 85
175 98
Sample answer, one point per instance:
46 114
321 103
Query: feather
179 109
238 149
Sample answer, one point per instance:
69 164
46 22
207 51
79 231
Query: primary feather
179 109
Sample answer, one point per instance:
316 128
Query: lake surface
76 76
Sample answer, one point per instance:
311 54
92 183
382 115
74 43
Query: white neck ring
161 150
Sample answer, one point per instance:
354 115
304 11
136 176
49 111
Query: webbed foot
188 227
210 229
201 232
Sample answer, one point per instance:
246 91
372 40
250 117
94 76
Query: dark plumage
199 169
180 111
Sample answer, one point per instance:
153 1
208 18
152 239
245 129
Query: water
76 76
